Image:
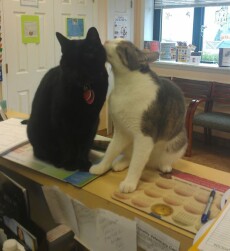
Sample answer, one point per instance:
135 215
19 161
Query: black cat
67 103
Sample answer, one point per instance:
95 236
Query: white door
67 13
27 63
120 24
120 19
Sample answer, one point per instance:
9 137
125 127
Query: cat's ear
93 35
149 56
130 56
134 58
62 40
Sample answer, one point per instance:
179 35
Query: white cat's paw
97 169
165 169
127 187
120 165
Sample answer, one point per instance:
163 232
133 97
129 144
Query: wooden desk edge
89 196
96 201
12 114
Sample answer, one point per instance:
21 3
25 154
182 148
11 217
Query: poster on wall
120 27
75 27
32 3
30 29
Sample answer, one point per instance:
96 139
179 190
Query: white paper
121 27
86 220
12 134
103 230
151 239
114 232
98 229
218 238
61 207
33 3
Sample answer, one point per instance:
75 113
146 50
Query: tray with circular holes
177 198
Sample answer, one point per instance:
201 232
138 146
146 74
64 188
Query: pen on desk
205 215
155 215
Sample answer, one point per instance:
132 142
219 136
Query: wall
102 29
143 21
101 24
102 19
102 9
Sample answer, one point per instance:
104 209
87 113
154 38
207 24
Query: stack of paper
216 238
12 134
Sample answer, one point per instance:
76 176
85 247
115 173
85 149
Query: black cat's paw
84 165
70 167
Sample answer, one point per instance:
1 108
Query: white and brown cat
148 114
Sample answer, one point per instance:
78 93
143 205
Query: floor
209 155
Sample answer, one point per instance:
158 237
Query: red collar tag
89 96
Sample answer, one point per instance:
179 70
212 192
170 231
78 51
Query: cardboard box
224 57
195 58
183 54
224 53
167 51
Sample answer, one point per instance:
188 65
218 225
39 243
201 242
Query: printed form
218 237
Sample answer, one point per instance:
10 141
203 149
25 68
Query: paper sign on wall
120 27
32 3
30 29
75 27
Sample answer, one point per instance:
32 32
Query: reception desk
97 194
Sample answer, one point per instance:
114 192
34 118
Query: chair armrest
189 120
193 106
191 111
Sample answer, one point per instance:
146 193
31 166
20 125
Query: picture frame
75 27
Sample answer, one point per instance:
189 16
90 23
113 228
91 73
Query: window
203 26
183 24
216 28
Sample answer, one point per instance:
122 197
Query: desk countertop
97 194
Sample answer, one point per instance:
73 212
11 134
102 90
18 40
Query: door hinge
6 65
131 4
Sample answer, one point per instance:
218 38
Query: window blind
159 4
